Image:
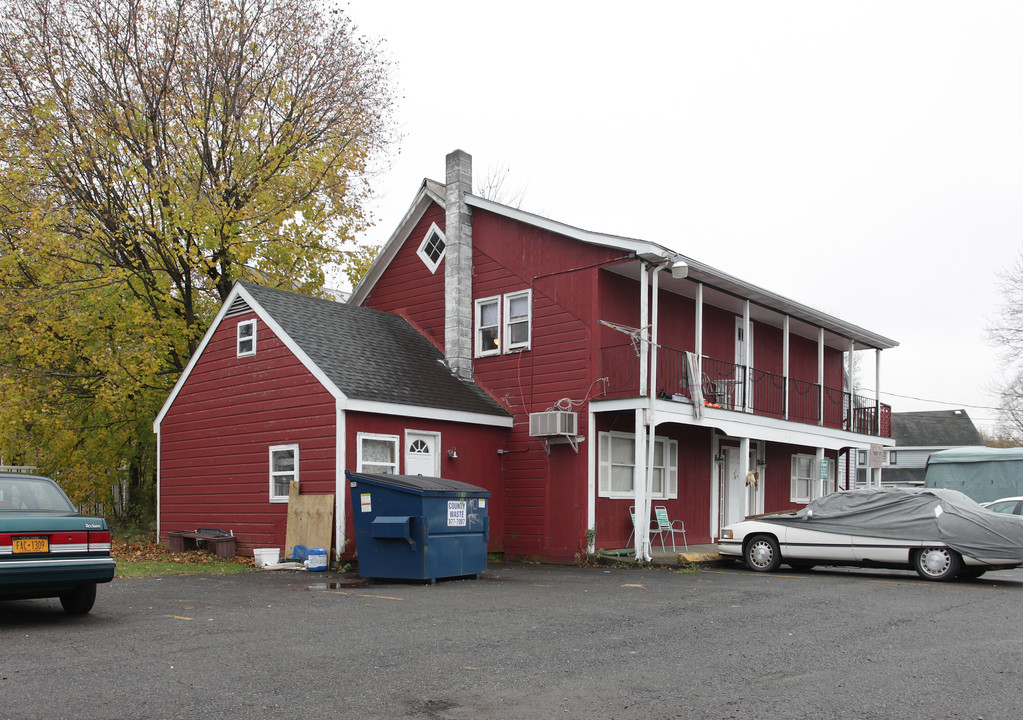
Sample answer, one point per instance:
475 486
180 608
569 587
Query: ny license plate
31 545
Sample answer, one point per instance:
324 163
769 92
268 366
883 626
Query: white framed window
802 478
378 453
861 458
618 460
246 338
283 469
431 249
518 320
892 457
488 326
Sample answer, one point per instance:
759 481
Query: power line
938 402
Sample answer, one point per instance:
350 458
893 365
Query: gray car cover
913 514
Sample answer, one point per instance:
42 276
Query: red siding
409 289
478 462
215 439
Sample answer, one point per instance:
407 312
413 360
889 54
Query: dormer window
246 338
431 250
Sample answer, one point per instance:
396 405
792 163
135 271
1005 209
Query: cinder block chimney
458 327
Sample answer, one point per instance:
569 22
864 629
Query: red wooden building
289 387
594 374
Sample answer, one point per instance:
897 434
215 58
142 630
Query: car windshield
33 495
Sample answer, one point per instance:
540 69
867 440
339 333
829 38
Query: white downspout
340 484
642 535
651 416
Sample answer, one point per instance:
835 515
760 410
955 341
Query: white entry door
421 457
733 487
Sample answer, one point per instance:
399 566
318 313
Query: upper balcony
736 387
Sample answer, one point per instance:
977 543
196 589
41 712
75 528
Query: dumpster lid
418 482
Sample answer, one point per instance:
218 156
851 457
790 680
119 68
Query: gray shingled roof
935 428
372 355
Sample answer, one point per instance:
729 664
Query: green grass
154 568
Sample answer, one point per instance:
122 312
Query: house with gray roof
917 435
288 387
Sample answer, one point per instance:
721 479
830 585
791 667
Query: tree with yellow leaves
152 152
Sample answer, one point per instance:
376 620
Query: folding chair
664 525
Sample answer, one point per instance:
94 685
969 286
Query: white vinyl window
283 469
802 477
618 461
518 316
431 250
488 326
246 338
378 454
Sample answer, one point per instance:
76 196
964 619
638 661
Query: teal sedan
48 549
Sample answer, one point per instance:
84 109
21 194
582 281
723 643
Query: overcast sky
863 158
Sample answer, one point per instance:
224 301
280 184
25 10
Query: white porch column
644 325
744 469
817 485
785 363
591 475
820 376
877 400
698 344
747 360
639 487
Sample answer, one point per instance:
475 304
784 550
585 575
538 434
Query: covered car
942 534
48 549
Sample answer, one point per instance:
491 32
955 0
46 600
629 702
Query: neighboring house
917 435
559 324
289 387
585 374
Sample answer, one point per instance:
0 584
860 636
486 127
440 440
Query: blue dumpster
410 527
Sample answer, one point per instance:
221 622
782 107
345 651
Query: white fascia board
239 291
697 271
641 248
754 427
427 413
413 215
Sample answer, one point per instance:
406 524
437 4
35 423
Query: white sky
863 158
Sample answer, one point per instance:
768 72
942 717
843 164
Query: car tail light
99 541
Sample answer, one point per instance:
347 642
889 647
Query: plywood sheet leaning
310 520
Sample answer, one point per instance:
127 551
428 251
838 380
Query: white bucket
266 556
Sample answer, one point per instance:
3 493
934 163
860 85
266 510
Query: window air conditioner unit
553 422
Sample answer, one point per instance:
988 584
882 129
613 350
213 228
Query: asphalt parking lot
525 641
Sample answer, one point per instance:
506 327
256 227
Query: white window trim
670 451
240 339
794 478
394 439
278 448
421 252
509 345
496 299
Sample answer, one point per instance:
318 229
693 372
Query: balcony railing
736 387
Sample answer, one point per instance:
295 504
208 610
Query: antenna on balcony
635 334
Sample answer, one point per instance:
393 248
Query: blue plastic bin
410 527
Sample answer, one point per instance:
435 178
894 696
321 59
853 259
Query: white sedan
941 534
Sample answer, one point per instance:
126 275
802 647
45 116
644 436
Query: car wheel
971 572
937 563
762 554
80 600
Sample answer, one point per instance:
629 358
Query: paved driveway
524 642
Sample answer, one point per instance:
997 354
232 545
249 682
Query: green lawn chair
666 526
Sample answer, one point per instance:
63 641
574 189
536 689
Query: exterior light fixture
453 453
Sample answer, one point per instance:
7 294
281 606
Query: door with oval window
421 457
